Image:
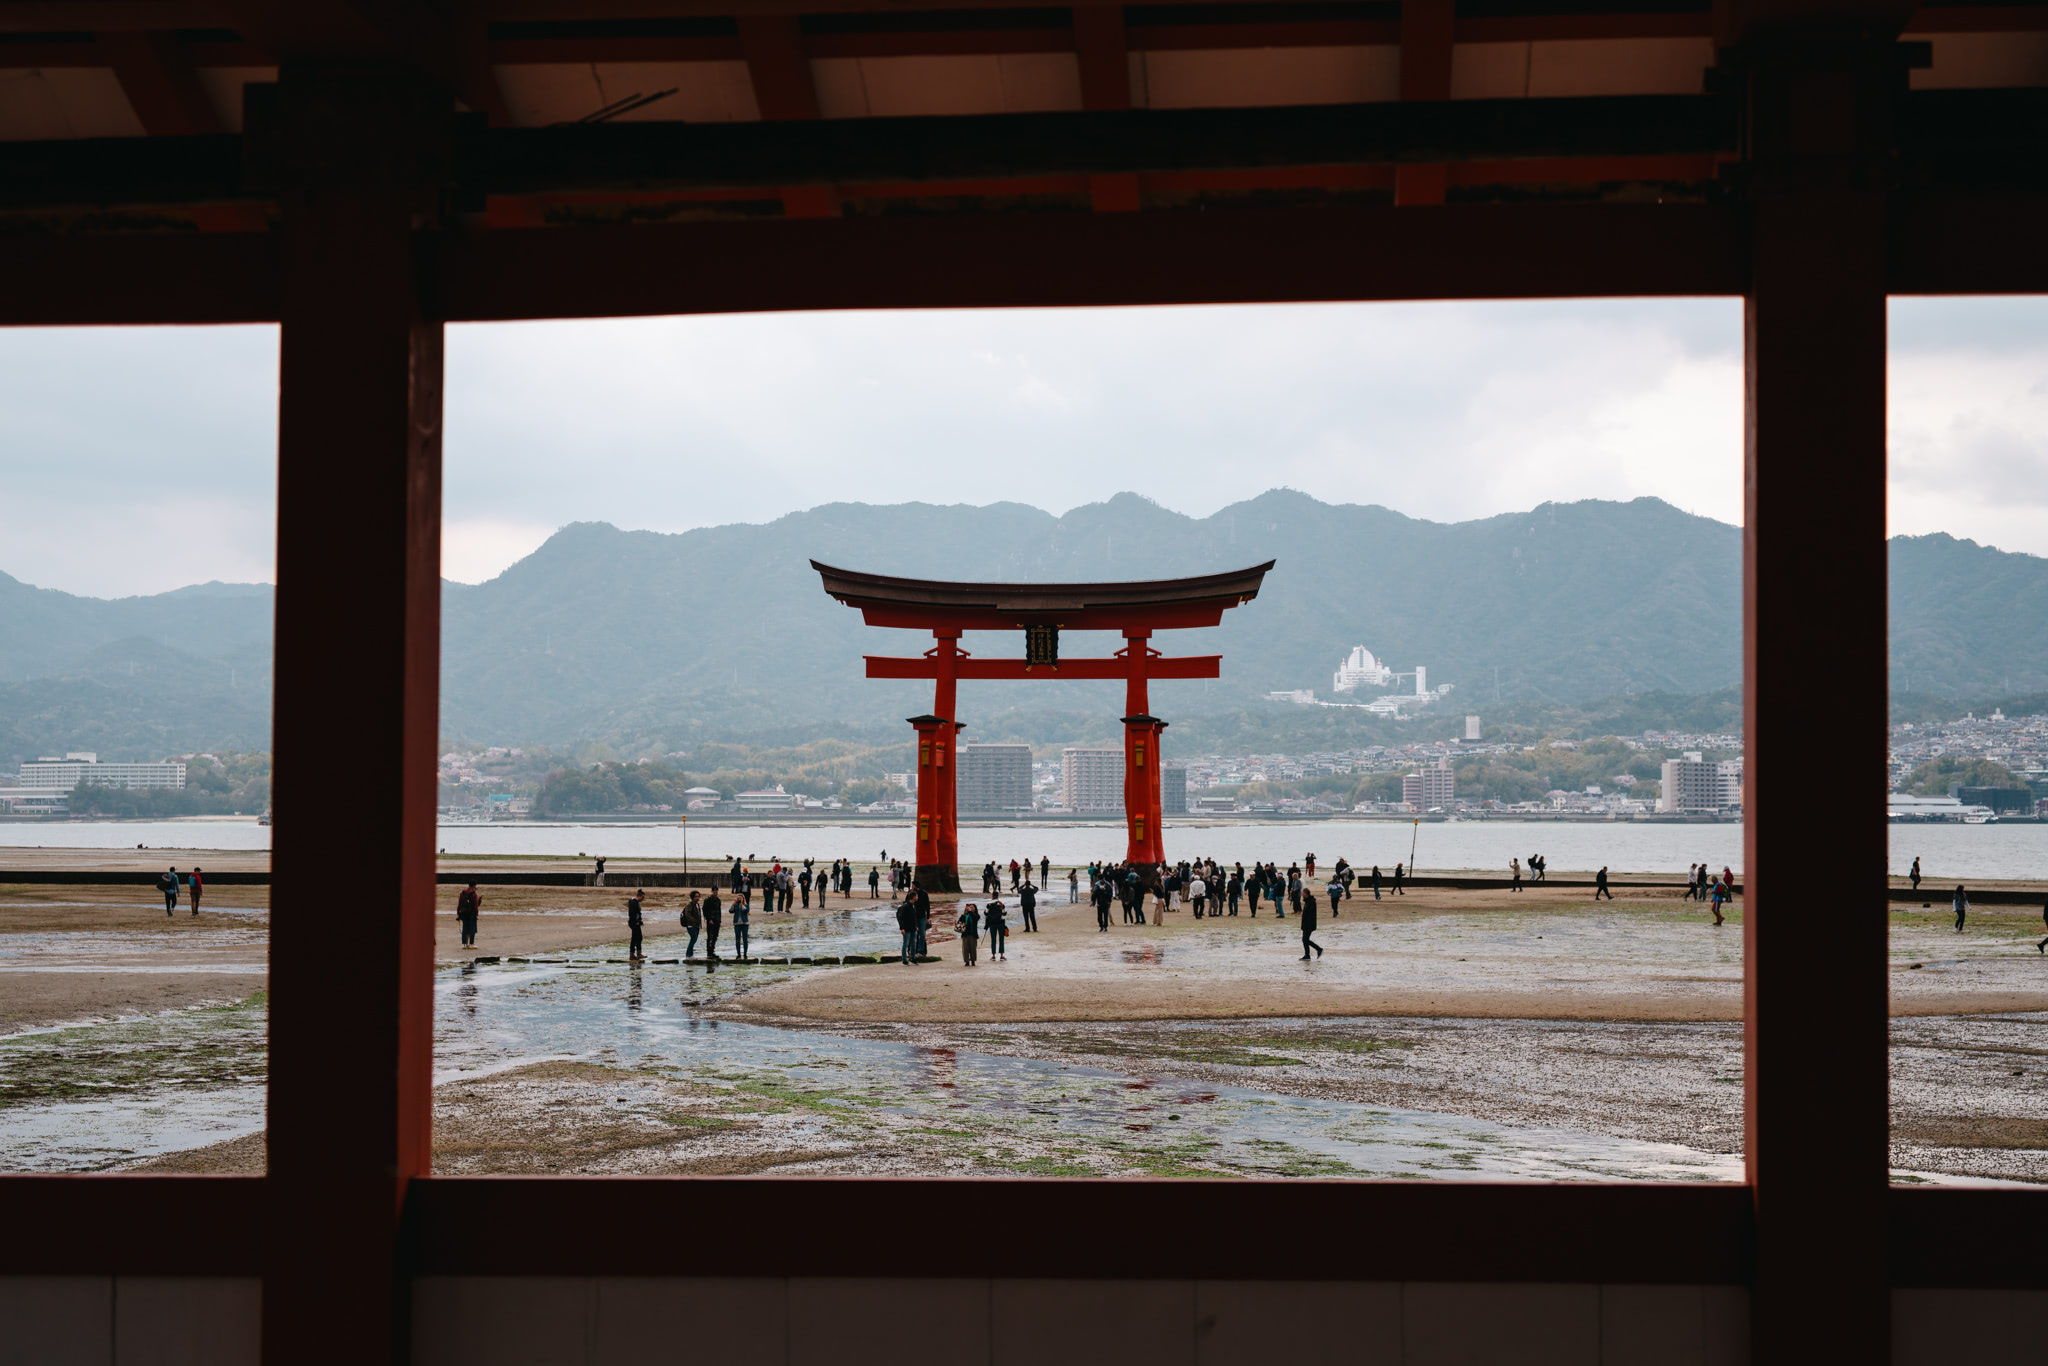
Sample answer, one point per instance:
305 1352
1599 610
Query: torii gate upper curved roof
1201 600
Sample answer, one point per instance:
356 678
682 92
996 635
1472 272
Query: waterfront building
1432 785
1173 790
62 775
994 778
1092 779
769 799
1215 806
1696 784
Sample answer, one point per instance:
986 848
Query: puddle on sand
995 1112
91 1096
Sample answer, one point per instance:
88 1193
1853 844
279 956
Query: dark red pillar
938 849
357 683
1814 607
1142 801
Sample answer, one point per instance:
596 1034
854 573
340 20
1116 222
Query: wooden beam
1426 28
160 84
1105 62
784 91
1043 260
986 670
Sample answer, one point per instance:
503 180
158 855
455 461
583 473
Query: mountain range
650 643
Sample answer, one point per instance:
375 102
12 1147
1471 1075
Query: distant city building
1173 790
1433 785
1303 696
1696 784
1215 805
906 781
1471 728
1361 669
768 799
994 778
1092 779
62 775
1999 799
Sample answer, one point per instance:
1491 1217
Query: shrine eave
1165 603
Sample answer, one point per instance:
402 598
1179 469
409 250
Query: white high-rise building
1421 681
1360 669
1092 779
1471 728
1694 783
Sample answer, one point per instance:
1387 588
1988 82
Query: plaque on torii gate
1041 611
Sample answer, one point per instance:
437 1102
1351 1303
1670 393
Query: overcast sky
133 461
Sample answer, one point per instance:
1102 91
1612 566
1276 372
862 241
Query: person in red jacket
197 887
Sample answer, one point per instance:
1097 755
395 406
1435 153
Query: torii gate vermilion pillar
1041 611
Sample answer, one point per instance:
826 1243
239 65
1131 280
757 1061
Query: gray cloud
158 442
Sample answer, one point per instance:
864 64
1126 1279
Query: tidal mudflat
1554 1060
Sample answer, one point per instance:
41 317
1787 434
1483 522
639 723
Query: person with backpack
969 925
998 925
466 907
168 885
692 920
197 886
1720 896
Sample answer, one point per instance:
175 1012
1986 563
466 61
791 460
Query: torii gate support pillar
1142 801
938 835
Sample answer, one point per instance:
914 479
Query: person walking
906 925
1336 891
466 907
168 885
803 884
1397 881
1027 903
1692 882
1541 865
1375 882
198 886
1307 914
1253 886
742 926
633 922
2042 947
1515 867
692 920
969 925
1600 884
1962 907
1720 896
712 917
1915 874
924 921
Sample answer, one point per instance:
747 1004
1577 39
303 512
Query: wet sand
1546 954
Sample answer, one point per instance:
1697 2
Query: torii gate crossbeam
1042 611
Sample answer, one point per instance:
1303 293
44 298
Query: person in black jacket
998 931
906 924
1307 915
713 918
1027 902
633 922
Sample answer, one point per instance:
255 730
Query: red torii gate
1041 611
